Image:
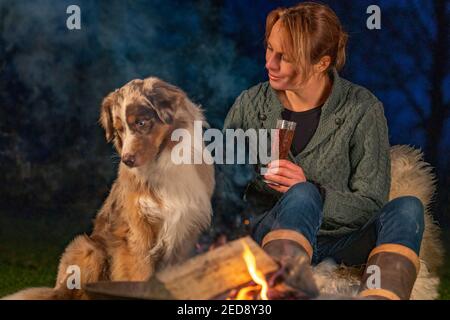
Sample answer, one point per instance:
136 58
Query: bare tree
411 57
440 109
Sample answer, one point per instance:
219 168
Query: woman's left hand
285 173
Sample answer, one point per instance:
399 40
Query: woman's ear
323 64
106 115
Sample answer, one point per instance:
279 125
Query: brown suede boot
398 270
293 252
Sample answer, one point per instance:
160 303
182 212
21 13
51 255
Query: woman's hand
285 173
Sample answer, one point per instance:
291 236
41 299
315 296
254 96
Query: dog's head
139 118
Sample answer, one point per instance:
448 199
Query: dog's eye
141 123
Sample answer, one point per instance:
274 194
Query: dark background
55 166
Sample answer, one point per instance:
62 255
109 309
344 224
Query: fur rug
410 176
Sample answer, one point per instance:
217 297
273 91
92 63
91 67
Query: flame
257 276
247 292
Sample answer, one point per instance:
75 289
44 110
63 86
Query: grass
21 267
30 251
444 288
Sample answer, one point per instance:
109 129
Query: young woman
330 197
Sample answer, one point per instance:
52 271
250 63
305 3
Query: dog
156 209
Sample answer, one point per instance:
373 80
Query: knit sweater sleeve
370 180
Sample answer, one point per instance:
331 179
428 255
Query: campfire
235 270
251 292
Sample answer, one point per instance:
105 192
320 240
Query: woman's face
283 75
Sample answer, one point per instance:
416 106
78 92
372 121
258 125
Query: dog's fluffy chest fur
181 207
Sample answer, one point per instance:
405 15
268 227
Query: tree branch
424 32
410 45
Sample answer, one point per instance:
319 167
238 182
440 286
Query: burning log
207 276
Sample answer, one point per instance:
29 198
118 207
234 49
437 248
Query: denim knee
301 195
403 219
303 192
301 207
409 211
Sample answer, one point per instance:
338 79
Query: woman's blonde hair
312 31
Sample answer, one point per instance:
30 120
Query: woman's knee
304 192
407 211
303 200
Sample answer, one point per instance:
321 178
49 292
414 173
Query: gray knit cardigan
348 156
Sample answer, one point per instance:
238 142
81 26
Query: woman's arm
371 175
235 116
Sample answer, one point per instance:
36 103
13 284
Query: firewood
203 277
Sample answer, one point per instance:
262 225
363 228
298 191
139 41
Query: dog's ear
106 120
165 99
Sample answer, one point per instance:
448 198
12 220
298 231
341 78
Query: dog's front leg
128 266
131 260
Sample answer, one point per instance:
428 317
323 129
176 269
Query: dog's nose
129 160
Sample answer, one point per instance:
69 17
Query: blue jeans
400 221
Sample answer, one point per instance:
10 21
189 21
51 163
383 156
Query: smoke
119 41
